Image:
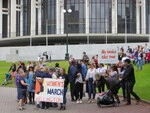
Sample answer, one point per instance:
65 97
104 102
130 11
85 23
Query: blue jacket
71 73
84 70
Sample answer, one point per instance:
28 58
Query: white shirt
91 74
79 78
101 70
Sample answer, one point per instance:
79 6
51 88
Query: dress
30 78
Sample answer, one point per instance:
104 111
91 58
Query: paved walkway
8 104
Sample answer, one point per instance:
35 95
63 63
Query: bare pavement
8 104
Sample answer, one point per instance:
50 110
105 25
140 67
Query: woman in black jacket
64 76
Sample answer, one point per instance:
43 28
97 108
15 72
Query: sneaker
89 101
38 106
80 101
92 101
77 101
137 102
20 108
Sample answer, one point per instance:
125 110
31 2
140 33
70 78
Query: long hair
114 68
64 70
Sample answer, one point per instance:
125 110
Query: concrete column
58 12
21 19
137 17
87 16
61 18
1 19
143 3
39 17
12 12
114 17
33 16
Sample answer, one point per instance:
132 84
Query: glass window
127 15
26 17
4 26
5 3
100 10
36 25
74 22
18 2
49 16
17 23
148 16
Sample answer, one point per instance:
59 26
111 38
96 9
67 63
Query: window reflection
100 13
76 19
49 16
127 8
26 17
148 16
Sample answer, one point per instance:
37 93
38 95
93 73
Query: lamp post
125 29
66 23
106 30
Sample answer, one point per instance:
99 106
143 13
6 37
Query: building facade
90 21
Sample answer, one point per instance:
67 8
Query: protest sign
108 56
51 90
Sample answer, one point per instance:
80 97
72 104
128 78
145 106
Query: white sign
51 90
108 56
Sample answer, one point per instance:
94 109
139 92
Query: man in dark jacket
71 73
129 79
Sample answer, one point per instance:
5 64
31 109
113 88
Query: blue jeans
91 88
139 64
64 96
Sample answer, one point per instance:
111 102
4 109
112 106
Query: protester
45 74
19 66
139 60
71 73
79 84
71 58
22 87
64 76
31 90
91 79
100 80
129 78
37 77
83 72
29 65
148 56
52 72
57 69
112 81
12 70
85 58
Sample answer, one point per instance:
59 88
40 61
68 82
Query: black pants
123 90
101 88
79 90
101 84
31 97
72 90
129 88
45 105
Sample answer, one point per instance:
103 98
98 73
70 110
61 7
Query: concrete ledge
142 100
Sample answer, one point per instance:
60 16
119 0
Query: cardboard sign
51 90
108 56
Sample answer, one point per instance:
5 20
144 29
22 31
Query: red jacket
148 56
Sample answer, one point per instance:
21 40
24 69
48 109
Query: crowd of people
84 76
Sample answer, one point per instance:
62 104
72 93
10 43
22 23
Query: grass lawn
142 77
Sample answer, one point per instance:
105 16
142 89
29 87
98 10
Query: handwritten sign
108 56
51 90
